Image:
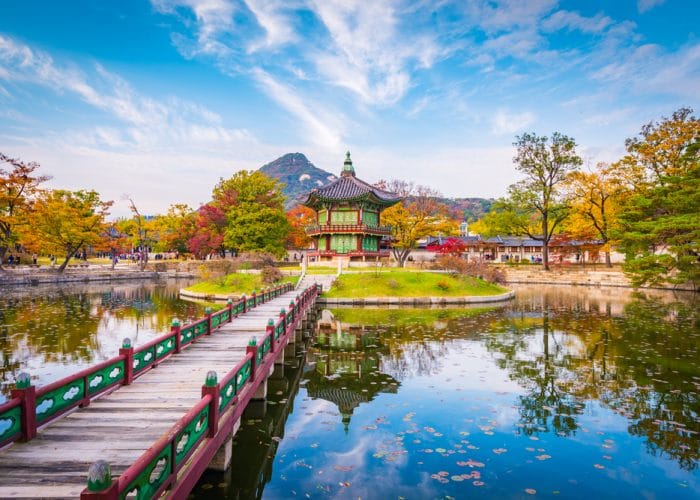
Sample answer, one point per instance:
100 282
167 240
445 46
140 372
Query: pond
51 331
568 392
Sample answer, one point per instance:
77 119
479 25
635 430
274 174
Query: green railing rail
30 407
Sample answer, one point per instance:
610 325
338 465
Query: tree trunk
144 260
608 262
545 244
69 256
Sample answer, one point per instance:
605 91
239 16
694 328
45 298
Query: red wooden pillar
212 388
127 350
175 330
245 303
229 304
27 393
270 331
252 348
255 299
207 312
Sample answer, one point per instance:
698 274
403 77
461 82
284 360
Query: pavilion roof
349 188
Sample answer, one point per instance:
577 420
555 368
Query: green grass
402 317
236 283
399 283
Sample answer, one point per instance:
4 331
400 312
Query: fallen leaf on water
530 491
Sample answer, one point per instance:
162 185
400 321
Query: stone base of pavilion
356 259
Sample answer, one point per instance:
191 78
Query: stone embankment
575 277
30 277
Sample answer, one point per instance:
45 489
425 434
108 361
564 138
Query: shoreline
469 299
33 279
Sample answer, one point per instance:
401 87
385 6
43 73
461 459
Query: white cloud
574 21
646 5
505 123
213 18
320 131
369 55
277 26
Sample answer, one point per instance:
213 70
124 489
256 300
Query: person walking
34 258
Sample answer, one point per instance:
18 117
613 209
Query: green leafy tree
536 205
64 222
254 207
18 186
660 223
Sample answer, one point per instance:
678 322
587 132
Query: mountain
299 176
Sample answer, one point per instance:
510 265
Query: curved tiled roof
349 188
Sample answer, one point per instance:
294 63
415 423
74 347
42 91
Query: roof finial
348 169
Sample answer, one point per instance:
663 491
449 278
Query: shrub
392 283
459 266
270 275
443 285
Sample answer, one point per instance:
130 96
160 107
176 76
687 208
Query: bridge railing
158 468
31 407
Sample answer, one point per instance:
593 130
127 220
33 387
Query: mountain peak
298 174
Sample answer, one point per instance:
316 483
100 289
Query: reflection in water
53 331
566 391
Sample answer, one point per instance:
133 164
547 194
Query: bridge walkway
118 427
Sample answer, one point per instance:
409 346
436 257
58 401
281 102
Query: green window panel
370 218
343 243
369 243
344 217
322 216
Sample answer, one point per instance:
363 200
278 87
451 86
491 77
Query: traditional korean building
348 218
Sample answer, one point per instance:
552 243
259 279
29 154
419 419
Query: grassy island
399 283
235 284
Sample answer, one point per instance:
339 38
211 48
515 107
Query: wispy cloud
319 131
646 5
505 123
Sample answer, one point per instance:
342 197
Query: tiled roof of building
349 187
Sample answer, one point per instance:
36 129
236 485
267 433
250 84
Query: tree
596 198
141 232
536 203
209 227
66 221
252 207
299 218
175 228
417 216
18 186
660 222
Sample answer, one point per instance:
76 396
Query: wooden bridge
142 425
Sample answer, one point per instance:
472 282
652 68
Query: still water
52 331
565 392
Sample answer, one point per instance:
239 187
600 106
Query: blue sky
159 99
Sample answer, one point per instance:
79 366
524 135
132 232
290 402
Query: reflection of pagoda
346 380
347 373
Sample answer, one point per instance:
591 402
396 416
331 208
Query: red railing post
100 485
255 299
175 330
252 348
207 312
127 350
283 317
27 393
229 304
212 388
245 303
291 309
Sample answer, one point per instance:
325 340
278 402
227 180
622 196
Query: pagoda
348 218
